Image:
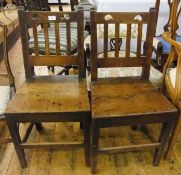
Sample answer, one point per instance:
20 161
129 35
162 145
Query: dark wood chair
7 85
122 101
162 48
50 98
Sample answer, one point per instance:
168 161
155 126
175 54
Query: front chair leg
94 146
163 139
14 131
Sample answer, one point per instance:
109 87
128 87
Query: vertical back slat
57 38
35 36
80 35
105 39
139 39
117 40
128 40
68 34
47 50
93 46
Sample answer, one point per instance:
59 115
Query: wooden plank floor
55 162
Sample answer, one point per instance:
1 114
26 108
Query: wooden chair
126 100
172 85
160 47
172 74
50 98
7 85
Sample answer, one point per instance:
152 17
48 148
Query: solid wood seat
113 98
50 94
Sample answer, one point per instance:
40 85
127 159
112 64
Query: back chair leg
14 131
86 128
163 139
173 138
94 146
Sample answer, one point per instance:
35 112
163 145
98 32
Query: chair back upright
129 20
173 81
174 58
174 13
6 73
32 19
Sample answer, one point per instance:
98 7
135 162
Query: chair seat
5 98
165 45
120 97
50 94
52 39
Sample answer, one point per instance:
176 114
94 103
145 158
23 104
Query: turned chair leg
173 138
94 146
163 139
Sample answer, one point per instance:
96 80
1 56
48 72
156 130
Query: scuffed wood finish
49 94
127 100
50 98
125 97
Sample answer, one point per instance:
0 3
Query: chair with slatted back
43 5
121 101
7 85
50 98
162 48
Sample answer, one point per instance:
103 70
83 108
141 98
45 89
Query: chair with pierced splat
128 100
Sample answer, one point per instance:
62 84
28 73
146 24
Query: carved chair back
129 20
33 19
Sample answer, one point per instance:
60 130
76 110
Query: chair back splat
48 57
130 20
